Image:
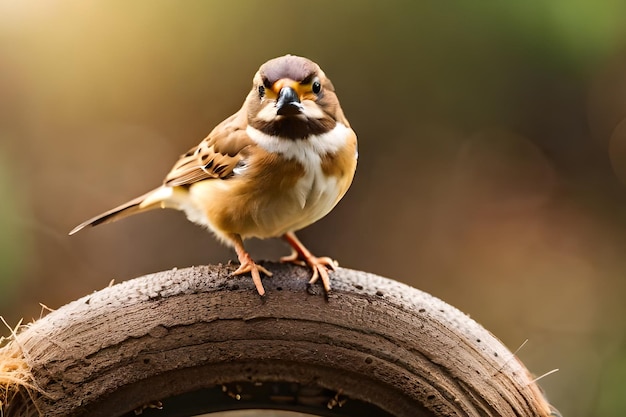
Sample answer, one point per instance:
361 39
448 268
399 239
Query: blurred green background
492 155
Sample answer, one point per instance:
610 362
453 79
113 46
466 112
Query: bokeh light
492 163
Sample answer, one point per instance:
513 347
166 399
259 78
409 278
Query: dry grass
15 373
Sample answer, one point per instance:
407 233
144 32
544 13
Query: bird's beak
288 101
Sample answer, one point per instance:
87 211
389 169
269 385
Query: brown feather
127 209
215 157
288 66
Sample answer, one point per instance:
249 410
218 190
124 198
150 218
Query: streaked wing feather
215 157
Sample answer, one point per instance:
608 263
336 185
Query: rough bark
372 342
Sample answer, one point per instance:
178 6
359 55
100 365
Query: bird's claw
320 267
293 258
254 270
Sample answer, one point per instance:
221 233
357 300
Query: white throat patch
302 150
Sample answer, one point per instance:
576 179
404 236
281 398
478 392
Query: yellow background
491 171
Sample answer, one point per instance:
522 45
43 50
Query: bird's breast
285 186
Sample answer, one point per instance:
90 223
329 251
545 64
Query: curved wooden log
372 343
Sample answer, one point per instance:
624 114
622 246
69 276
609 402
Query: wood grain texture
371 341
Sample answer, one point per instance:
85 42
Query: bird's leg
300 254
293 258
248 265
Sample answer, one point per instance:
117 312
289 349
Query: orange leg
302 256
248 265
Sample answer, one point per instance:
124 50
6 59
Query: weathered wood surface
373 340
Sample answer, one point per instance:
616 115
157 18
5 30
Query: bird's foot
248 265
320 267
294 258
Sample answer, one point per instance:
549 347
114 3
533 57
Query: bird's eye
316 87
261 91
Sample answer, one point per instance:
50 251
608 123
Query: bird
280 163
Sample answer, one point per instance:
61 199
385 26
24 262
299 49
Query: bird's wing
216 157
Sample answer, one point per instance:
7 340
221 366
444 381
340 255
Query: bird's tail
162 197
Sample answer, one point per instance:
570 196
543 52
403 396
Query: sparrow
279 164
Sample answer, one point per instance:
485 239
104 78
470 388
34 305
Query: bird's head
291 97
